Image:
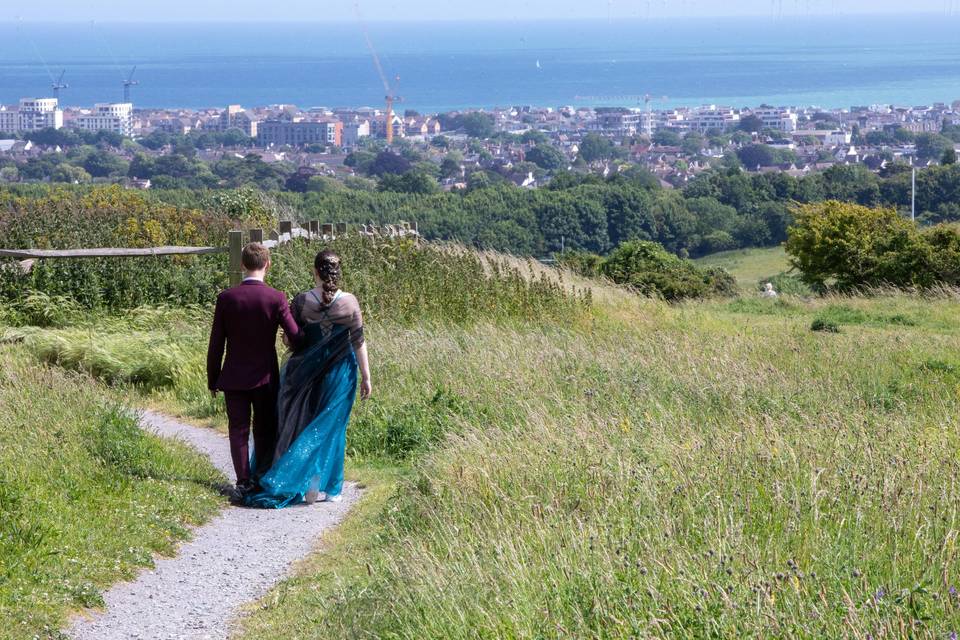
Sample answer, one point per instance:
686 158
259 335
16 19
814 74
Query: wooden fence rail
286 233
35 254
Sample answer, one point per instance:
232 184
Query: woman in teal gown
318 386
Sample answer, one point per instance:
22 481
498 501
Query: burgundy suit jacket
245 322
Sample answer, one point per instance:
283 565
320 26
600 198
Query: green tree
903 135
756 155
410 182
932 145
388 162
68 173
102 164
546 157
750 124
949 156
477 124
850 246
450 167
595 147
666 138
9 174
692 143
534 136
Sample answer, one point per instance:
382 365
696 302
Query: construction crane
129 82
648 124
58 84
390 96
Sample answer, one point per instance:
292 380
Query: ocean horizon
826 61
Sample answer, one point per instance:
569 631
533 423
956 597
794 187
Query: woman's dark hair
327 264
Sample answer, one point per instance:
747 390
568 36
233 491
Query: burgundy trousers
256 408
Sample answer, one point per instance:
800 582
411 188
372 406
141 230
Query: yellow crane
390 96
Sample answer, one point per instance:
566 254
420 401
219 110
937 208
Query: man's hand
366 389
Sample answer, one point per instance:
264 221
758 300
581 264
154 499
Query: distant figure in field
768 291
317 392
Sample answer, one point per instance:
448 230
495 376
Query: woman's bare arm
366 388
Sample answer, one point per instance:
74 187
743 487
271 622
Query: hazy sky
391 10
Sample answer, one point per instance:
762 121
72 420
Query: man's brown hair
255 257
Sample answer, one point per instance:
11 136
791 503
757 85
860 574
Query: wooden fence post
341 228
286 226
256 235
315 229
236 248
327 230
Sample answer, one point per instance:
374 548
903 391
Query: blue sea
828 61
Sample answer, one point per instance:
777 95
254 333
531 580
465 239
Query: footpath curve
232 560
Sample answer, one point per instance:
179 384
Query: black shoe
241 491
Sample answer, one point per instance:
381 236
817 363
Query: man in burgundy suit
245 321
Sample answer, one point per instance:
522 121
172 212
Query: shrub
850 246
583 263
825 326
652 270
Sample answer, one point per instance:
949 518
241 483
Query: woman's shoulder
348 299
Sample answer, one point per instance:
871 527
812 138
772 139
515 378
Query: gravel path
232 560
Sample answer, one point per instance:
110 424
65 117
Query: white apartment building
706 118
619 120
824 137
9 119
108 116
32 114
235 117
781 119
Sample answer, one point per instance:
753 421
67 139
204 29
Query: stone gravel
232 560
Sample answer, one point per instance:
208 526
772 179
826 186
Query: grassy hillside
711 470
86 498
749 266
627 469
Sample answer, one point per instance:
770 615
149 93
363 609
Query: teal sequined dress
318 386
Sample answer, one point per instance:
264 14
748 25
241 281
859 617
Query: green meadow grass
749 266
86 497
694 472
710 469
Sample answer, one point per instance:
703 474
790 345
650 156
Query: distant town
674 144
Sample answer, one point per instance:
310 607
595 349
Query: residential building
378 128
235 117
922 126
779 118
116 117
824 137
421 126
618 120
32 114
300 133
9 119
719 118
354 131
